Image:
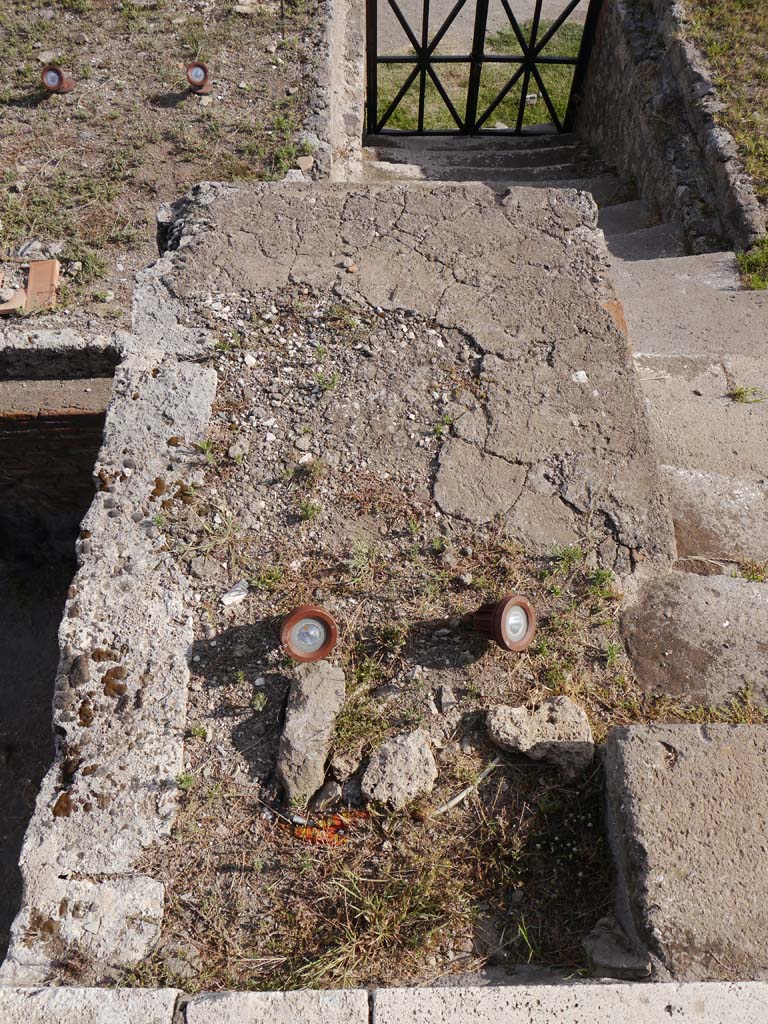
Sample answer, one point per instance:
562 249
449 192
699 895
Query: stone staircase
700 345
543 161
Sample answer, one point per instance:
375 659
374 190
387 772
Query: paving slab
695 419
720 518
687 818
575 1003
338 1007
87 1005
699 638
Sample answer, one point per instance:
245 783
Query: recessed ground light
309 633
54 79
510 622
199 78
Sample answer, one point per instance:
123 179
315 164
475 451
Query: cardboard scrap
40 293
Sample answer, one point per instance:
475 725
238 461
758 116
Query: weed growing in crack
746 395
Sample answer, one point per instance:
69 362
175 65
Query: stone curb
575 1003
348 1006
87 1005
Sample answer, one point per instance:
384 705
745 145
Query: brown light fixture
199 78
309 633
510 622
54 79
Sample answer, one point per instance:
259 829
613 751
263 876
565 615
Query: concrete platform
687 810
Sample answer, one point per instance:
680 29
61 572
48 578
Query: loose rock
611 954
400 771
316 697
558 733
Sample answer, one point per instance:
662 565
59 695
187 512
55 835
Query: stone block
699 638
687 810
349 1006
574 1004
87 1005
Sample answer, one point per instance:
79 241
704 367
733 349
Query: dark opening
50 433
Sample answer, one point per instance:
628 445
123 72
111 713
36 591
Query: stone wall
649 107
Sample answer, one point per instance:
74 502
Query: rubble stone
401 770
558 733
316 697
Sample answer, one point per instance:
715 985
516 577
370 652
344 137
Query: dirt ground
83 174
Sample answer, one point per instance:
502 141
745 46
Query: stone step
691 305
604 188
625 217
698 639
696 420
429 171
463 156
477 143
720 521
686 819
657 242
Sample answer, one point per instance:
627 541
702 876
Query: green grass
754 266
733 36
455 80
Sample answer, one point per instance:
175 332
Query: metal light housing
510 622
199 78
309 633
54 79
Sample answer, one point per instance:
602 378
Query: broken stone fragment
316 697
611 954
400 771
558 732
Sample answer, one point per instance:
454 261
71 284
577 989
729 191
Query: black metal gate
547 55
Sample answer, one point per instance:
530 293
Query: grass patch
557 80
733 36
754 266
90 169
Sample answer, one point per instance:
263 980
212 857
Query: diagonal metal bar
437 39
502 95
545 96
555 26
445 97
515 27
405 26
395 102
527 75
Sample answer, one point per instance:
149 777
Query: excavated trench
50 434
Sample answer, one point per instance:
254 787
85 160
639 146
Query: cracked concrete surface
554 441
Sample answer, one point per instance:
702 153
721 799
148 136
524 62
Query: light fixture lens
515 623
52 79
308 636
197 75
